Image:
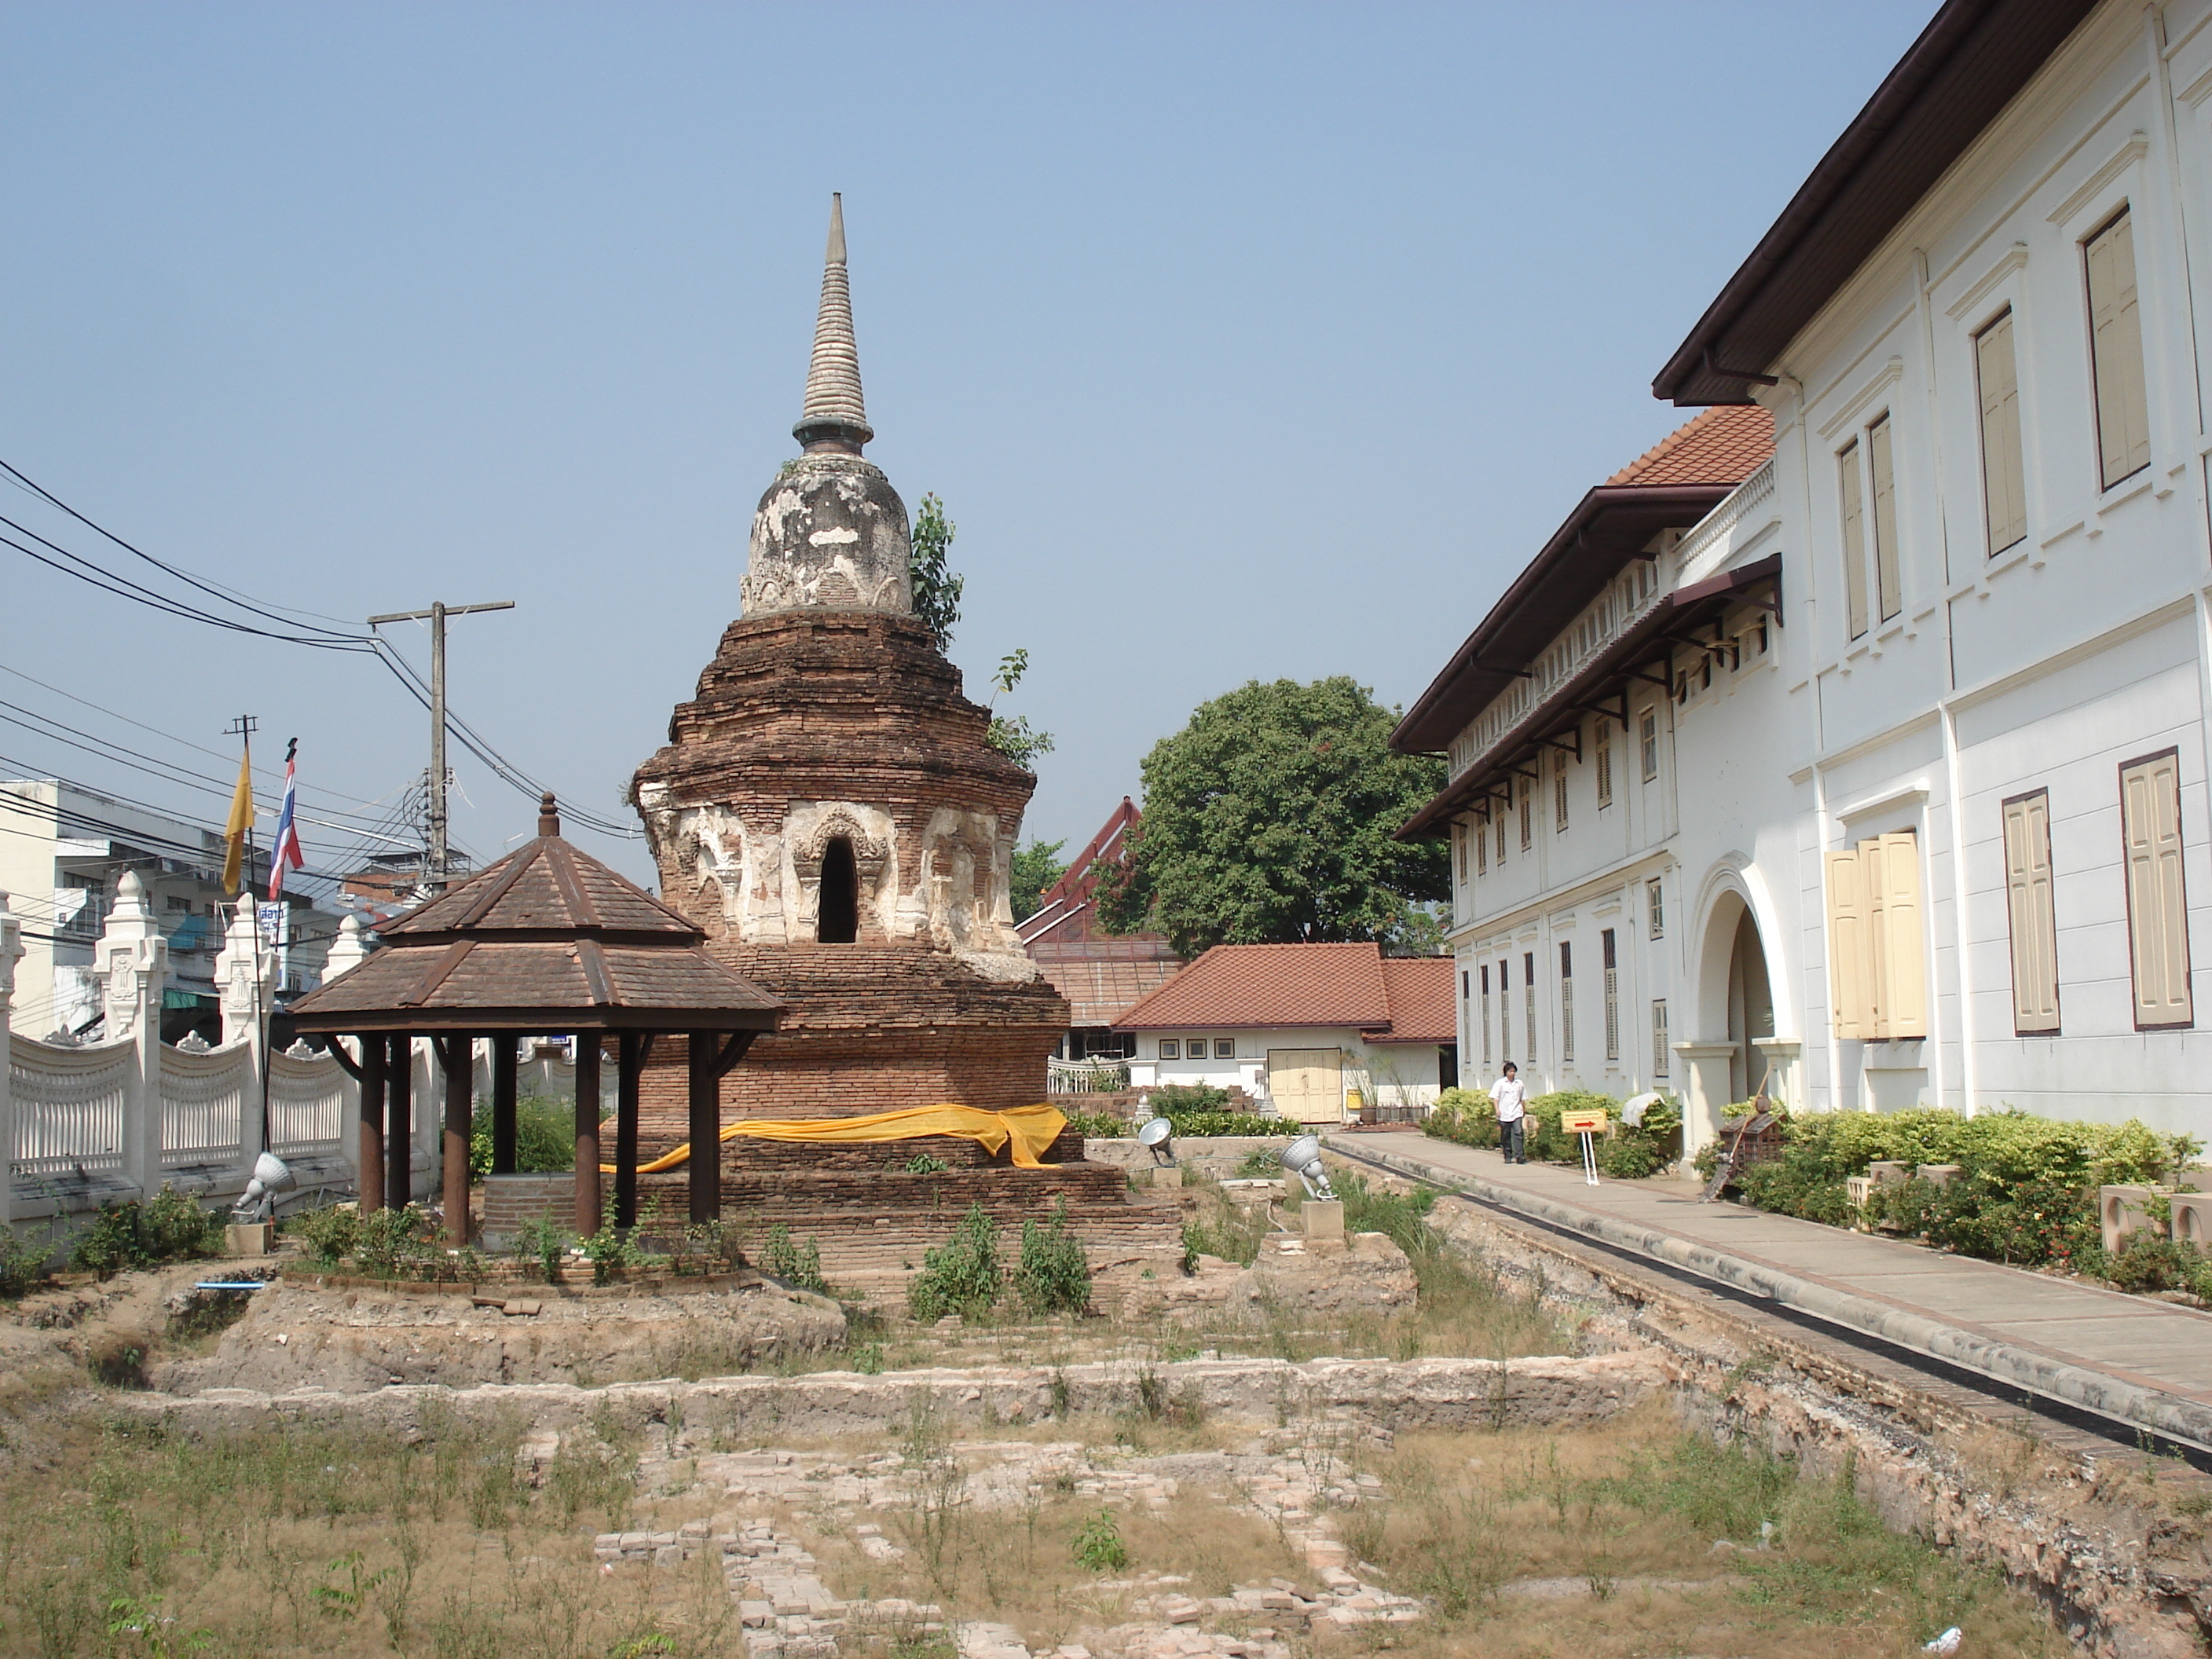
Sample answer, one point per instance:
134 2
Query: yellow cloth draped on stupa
1030 1129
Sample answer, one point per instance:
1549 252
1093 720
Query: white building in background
1889 773
63 848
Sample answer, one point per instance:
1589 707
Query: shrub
328 1233
2147 1262
1170 1098
166 1227
545 1138
1098 1126
1098 1547
961 1275
1052 1275
795 1264
926 1164
1203 1126
542 1243
21 1265
393 1244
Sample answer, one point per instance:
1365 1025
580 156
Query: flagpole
243 727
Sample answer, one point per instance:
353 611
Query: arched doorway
1750 1008
838 919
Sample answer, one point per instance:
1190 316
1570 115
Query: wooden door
1307 1085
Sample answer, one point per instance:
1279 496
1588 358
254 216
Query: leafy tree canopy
1036 866
1268 821
936 590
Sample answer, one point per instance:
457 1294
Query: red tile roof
1723 446
1245 986
1421 1008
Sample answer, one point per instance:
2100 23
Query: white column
133 960
11 951
245 980
1706 1070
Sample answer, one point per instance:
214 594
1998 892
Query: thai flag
287 850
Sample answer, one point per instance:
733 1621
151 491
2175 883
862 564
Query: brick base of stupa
874 1217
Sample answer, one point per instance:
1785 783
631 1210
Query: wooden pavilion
546 941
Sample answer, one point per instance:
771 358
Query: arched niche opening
838 918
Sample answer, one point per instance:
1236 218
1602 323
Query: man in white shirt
1506 1098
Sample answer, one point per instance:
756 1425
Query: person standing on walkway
1506 1097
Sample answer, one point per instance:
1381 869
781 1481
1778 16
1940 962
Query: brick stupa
827 809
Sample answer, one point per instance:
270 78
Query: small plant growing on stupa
961 1275
1052 1275
927 1163
794 1263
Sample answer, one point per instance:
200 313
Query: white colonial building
1886 771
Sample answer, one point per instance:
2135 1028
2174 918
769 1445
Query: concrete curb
2169 1414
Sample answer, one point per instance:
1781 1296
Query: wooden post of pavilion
502 1103
587 1133
375 1052
400 1123
632 1062
458 1053
705 1127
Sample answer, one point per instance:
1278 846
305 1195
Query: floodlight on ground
258 1201
1302 1158
1157 1136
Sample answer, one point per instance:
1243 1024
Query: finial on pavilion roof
549 814
835 418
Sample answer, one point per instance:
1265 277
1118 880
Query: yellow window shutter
1848 946
1904 987
1855 598
2004 489
2116 353
1872 893
1882 460
2031 914
2158 916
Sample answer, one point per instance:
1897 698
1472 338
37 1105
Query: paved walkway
2145 1362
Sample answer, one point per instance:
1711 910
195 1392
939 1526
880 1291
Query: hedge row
2025 1192
1628 1153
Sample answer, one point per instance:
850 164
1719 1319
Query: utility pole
435 616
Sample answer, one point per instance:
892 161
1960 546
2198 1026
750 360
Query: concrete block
2120 1211
2192 1219
1883 1171
1939 1175
1322 1218
1859 1190
249 1238
2194 1180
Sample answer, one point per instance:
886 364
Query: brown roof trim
488 1021
1689 606
1608 527
1969 62
437 972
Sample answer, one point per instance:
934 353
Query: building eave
1972 59
1610 526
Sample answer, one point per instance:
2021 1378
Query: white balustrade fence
203 1104
69 1107
306 1105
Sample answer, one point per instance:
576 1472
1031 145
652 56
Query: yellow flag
241 818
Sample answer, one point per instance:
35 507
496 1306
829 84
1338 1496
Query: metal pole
437 812
434 852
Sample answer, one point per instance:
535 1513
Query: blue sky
1240 341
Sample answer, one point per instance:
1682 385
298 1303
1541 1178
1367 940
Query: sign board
1583 1123
271 919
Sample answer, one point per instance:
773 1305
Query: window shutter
2031 914
1604 761
1885 518
2116 353
1903 989
2005 490
1855 595
1849 948
2158 914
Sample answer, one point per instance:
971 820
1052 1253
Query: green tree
936 590
1036 866
1269 820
